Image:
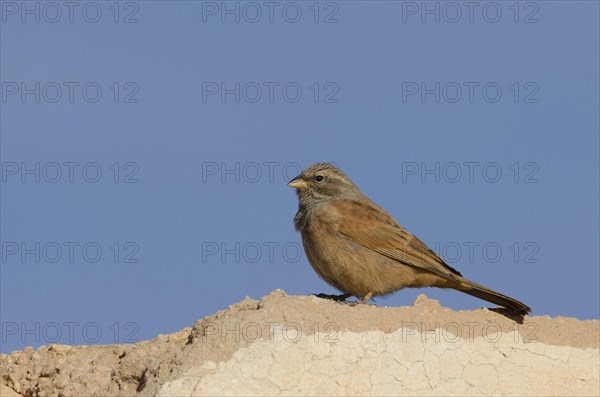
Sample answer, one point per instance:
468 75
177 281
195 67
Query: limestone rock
303 345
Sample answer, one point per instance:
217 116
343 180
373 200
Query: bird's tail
481 292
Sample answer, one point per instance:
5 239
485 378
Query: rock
59 349
423 301
302 345
6 391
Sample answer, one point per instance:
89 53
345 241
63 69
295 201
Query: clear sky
146 147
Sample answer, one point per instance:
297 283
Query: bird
358 248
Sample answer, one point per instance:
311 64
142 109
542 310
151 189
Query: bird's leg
337 298
366 298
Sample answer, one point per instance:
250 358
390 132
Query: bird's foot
366 298
337 298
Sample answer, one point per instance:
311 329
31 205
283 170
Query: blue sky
146 147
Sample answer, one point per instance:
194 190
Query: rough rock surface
304 345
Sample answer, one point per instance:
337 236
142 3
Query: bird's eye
319 178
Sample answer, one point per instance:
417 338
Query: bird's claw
338 298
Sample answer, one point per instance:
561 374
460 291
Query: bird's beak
297 183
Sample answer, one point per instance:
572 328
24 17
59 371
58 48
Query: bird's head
323 181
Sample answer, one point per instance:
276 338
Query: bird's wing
375 229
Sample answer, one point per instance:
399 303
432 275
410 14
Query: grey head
323 182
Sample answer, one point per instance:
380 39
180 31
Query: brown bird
358 248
